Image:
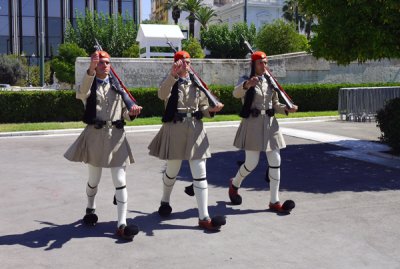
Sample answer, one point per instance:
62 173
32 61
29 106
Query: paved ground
347 213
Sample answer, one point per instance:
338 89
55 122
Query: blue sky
146 9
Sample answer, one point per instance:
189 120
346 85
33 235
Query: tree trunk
191 24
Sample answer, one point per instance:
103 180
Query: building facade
158 10
20 21
259 12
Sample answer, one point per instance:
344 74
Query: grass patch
21 127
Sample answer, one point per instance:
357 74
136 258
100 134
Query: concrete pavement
346 213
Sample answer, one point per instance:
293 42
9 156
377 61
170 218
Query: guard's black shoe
165 209
90 219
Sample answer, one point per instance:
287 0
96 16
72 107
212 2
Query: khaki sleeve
278 107
204 106
83 90
239 91
165 87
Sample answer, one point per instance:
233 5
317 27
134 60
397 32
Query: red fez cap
104 54
258 55
180 55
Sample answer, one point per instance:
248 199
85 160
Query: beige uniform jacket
260 133
108 146
186 140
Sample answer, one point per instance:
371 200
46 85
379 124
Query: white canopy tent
157 35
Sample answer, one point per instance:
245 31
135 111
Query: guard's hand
250 83
135 110
291 110
94 60
217 108
177 67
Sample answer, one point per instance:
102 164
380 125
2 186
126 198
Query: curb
138 128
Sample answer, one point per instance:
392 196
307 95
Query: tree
191 6
64 63
192 45
114 33
280 37
294 12
11 69
204 15
349 30
176 6
228 43
132 52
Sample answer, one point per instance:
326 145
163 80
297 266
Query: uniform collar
184 80
103 81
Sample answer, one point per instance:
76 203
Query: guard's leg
118 175
274 175
251 161
90 217
169 179
200 187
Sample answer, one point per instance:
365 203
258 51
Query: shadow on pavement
305 168
54 236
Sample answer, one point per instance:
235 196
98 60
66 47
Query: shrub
40 106
64 64
388 120
192 45
223 42
280 37
132 51
11 69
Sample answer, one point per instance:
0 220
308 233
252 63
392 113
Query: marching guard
103 143
259 130
183 137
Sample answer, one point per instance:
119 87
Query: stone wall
291 68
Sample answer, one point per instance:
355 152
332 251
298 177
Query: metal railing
362 104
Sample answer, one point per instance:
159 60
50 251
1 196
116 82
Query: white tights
274 172
200 186
121 194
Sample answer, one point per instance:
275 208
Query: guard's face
261 65
103 67
185 67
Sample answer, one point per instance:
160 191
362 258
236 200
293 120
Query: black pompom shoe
165 209
90 219
213 224
127 232
284 208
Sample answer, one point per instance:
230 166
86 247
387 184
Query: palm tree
204 15
291 12
294 12
191 6
176 6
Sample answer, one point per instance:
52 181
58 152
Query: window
4 26
3 8
54 8
29 45
103 6
28 8
28 26
78 7
127 7
54 27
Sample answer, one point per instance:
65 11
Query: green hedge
47 106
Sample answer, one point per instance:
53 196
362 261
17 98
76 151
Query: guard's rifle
124 92
212 100
278 88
